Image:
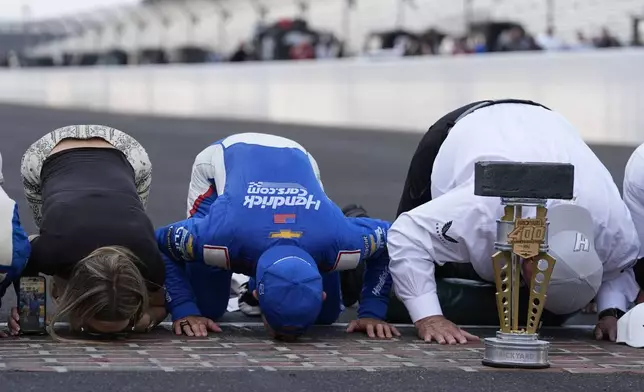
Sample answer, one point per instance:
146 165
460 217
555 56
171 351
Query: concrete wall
600 92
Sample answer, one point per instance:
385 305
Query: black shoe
351 280
248 304
355 211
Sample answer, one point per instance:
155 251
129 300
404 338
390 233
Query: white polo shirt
458 226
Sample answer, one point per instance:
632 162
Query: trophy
521 240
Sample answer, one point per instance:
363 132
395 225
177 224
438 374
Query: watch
614 312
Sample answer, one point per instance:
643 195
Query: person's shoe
354 211
248 304
351 280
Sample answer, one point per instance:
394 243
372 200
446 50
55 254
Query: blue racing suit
253 192
14 244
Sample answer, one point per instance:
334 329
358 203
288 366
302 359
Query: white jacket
457 226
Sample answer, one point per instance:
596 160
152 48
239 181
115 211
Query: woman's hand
195 326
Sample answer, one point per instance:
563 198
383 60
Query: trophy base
516 350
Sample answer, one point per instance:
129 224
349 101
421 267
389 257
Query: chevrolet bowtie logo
286 234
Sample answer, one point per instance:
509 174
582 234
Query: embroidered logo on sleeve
182 244
382 280
366 241
374 242
442 233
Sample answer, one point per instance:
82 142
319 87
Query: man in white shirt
634 199
442 222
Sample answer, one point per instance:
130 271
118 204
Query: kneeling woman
87 186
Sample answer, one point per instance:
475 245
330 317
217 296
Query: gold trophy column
526 239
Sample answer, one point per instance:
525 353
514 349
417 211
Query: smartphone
32 305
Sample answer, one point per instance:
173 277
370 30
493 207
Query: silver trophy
521 240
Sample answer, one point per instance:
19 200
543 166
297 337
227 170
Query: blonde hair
107 286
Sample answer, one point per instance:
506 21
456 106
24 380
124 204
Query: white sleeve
7 206
208 165
634 190
417 241
316 169
618 292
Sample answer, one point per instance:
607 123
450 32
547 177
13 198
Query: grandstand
157 30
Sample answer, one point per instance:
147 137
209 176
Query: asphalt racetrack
357 167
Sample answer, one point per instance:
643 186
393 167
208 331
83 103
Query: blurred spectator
478 43
13 59
302 51
548 40
582 43
294 39
327 47
606 40
461 46
430 41
241 54
516 39
447 46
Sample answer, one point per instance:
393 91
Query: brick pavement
248 348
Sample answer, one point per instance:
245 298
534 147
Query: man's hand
14 322
606 329
373 327
442 330
195 326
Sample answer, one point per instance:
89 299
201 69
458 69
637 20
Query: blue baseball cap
289 288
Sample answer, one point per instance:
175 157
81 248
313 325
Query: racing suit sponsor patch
283 218
274 195
216 256
346 260
382 279
367 246
285 234
181 244
377 240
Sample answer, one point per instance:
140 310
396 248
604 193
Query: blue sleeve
180 299
10 270
182 242
177 243
370 235
376 287
178 240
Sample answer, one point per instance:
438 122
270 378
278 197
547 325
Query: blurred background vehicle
200 31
